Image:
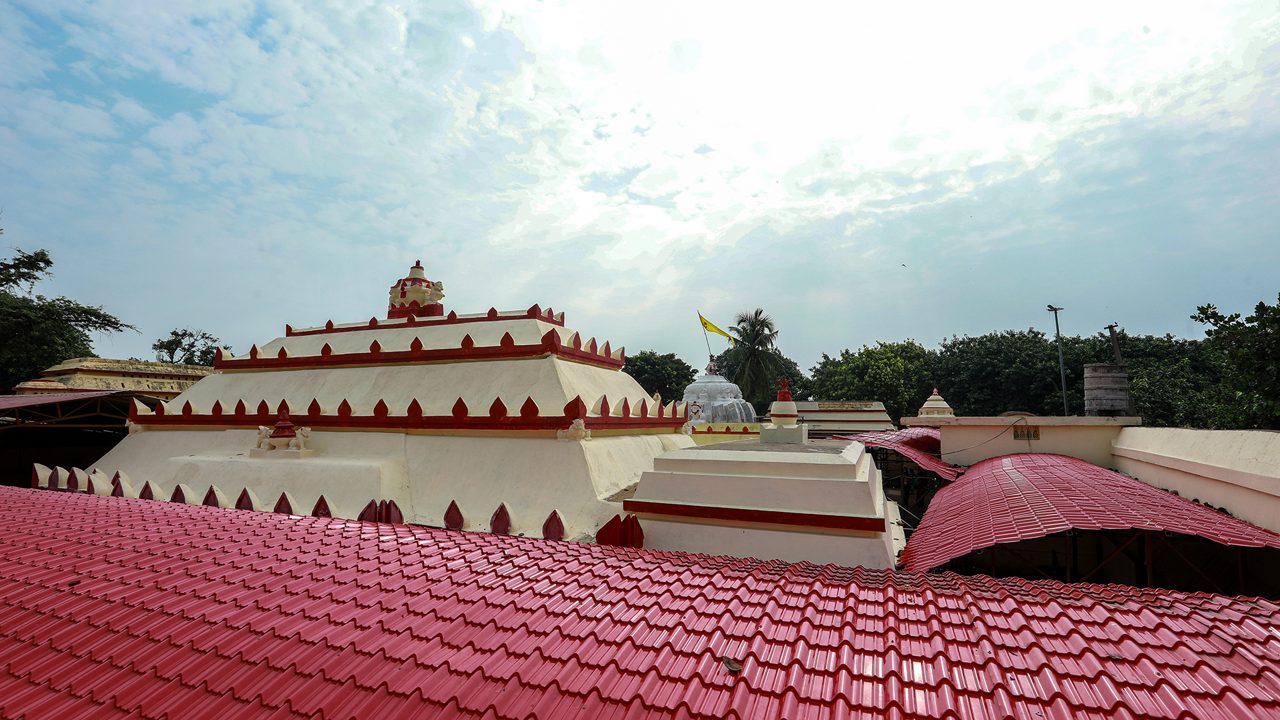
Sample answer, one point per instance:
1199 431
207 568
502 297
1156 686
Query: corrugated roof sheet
1018 497
114 606
921 445
11 402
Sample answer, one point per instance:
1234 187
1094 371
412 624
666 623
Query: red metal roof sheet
1019 497
115 606
921 445
11 402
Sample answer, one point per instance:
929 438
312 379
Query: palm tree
755 361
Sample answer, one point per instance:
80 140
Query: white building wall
1235 469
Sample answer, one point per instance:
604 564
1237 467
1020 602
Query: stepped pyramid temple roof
503 421
935 406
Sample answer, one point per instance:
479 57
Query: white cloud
316 146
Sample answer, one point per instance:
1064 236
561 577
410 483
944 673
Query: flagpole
706 338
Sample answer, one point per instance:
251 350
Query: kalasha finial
415 295
712 367
784 390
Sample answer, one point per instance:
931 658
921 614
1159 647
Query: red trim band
497 418
773 517
840 420
551 345
850 410
535 312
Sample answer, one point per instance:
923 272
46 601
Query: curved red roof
921 445
1019 497
115 606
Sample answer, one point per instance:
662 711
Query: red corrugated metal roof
11 402
1019 497
921 445
114 606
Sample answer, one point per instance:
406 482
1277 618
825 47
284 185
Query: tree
801 385
993 373
1174 381
37 332
187 347
753 361
664 374
1249 350
898 374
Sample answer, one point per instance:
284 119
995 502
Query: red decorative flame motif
500 523
453 517
321 508
553 528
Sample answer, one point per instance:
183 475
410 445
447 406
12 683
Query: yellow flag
711 327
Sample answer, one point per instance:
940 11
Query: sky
861 171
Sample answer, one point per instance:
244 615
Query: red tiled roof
921 445
1019 497
114 606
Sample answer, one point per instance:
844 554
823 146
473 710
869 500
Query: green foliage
898 374
37 332
1174 381
187 347
801 385
993 373
1249 350
24 269
665 374
753 363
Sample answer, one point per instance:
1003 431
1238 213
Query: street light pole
1062 366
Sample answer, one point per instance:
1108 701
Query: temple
713 399
498 421
93 374
778 573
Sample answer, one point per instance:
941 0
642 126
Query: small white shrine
713 399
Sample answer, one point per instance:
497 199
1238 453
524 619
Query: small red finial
417 263
784 390
283 427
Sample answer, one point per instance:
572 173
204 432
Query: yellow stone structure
163 380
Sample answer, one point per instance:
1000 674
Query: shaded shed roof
921 445
14 402
116 606
1019 497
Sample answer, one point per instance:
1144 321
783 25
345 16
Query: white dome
714 399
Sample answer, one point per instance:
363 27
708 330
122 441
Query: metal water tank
1106 390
